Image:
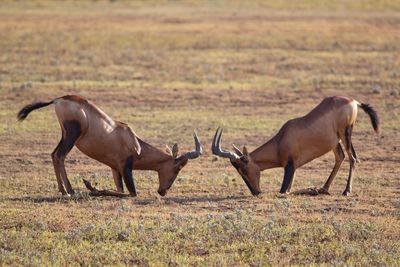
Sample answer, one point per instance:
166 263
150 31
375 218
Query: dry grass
168 67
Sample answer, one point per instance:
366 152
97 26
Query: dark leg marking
128 178
288 177
349 132
291 183
352 160
347 135
353 151
71 134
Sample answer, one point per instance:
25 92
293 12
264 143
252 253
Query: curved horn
216 147
237 150
198 150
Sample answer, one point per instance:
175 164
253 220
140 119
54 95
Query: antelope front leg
94 192
128 178
288 177
118 180
291 183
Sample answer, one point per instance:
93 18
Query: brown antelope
113 143
301 140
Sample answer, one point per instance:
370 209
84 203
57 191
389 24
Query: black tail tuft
372 115
24 112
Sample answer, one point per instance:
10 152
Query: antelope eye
244 159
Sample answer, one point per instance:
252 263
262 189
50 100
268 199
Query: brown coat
301 140
113 143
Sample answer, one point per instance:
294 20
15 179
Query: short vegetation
168 67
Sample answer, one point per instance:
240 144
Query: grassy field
168 67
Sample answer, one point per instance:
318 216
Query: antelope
110 142
301 140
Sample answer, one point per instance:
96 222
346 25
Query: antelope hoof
62 191
346 193
162 192
323 191
71 193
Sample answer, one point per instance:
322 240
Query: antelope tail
24 112
372 115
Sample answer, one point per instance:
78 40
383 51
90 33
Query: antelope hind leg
94 192
339 157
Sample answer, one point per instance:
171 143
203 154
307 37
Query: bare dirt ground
168 68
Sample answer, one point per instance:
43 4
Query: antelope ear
175 150
237 150
168 150
245 153
136 145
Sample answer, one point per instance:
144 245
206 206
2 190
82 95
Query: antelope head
170 169
242 162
